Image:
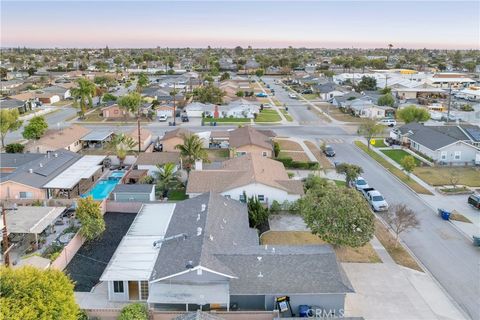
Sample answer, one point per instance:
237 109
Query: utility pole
6 254
449 101
174 105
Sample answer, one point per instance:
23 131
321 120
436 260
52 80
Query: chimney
199 231
189 265
199 165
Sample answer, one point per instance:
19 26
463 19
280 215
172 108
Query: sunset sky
430 24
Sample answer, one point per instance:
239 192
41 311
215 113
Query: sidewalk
438 200
42 111
284 120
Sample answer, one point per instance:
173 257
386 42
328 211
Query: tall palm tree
84 92
390 46
166 177
192 150
122 143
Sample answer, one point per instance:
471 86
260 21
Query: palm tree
122 143
192 150
390 46
166 177
84 92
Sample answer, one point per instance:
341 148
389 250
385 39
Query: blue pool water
103 187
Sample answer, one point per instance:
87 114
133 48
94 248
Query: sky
312 24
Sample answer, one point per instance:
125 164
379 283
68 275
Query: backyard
88 264
365 254
438 176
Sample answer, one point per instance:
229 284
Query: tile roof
242 171
177 133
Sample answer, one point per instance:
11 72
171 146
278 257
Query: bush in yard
14 148
408 164
35 128
276 149
290 163
275 207
134 311
386 100
31 293
339 216
413 114
90 216
257 213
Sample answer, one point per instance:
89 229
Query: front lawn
310 96
398 155
268 116
286 114
288 145
439 176
379 143
208 120
365 254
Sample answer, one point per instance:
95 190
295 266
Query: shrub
276 149
134 311
291 164
275 206
14 148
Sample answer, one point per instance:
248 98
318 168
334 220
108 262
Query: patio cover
97 135
82 169
189 293
32 219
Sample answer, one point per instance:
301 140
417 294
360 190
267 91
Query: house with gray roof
201 253
448 144
134 193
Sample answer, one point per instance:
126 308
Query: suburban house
453 80
68 138
198 109
61 91
113 112
344 100
250 175
150 160
10 104
145 138
247 140
23 176
173 138
449 145
201 253
366 109
134 193
328 91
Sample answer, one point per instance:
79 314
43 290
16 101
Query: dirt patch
295 155
321 158
91 260
365 254
457 216
289 145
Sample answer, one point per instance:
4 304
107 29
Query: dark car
474 200
307 91
184 118
329 152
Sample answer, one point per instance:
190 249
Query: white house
251 174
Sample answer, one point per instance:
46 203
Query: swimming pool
103 187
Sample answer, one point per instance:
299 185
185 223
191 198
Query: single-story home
150 160
247 140
366 109
449 145
173 138
68 138
198 109
113 112
146 137
61 91
201 252
134 192
252 174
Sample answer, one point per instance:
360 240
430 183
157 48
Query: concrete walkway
38 112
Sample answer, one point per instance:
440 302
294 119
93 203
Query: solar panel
474 133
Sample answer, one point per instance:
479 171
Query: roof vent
260 275
224 220
30 170
198 217
204 206
211 238
41 165
189 264
55 155
199 231
273 250
259 258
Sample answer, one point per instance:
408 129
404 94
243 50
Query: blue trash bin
303 310
444 214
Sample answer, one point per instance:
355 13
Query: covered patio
97 139
77 179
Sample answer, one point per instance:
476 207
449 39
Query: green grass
286 114
379 143
208 120
177 194
310 96
340 183
268 116
398 155
394 170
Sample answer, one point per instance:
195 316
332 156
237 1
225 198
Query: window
241 153
242 198
26 195
143 290
228 196
458 155
118 286
261 198
264 153
115 111
443 155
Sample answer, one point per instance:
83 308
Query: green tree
259 72
339 216
369 129
192 150
257 213
130 102
142 82
470 66
134 311
14 148
31 293
90 216
31 71
3 73
367 83
9 122
166 177
84 92
36 128
121 143
386 100
351 172
413 114
209 94
225 76
314 181
408 163
109 97
240 94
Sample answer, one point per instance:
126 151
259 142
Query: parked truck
375 199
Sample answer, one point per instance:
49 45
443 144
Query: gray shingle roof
15 160
224 226
433 137
286 270
11 104
133 188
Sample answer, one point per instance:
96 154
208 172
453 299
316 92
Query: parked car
292 96
329 152
474 200
162 118
388 122
307 91
262 95
375 199
184 118
361 183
